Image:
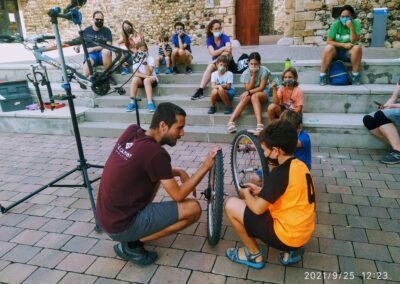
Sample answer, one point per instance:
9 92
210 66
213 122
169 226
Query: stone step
328 130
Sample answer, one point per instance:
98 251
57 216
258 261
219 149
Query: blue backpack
338 74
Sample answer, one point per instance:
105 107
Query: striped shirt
168 48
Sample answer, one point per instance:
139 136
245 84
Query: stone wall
151 17
312 19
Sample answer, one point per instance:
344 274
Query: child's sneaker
131 107
211 110
322 80
189 70
157 70
228 110
151 107
356 79
174 70
197 95
125 71
167 70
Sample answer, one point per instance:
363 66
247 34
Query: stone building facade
299 21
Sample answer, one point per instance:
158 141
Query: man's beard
168 140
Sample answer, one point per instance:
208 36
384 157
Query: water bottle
288 63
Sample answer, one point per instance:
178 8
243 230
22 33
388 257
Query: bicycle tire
215 200
246 137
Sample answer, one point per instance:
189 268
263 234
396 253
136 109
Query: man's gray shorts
153 218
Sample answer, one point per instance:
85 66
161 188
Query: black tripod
82 166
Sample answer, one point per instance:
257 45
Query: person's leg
223 95
391 135
328 54
189 211
135 84
158 60
167 61
85 70
355 54
214 97
273 111
174 56
149 89
239 108
106 56
207 75
257 100
234 210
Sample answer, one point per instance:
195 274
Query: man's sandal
231 127
294 256
233 255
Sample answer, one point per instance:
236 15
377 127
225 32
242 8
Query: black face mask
99 24
272 162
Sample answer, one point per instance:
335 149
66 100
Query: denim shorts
97 57
393 114
151 219
342 54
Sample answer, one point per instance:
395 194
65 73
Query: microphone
74 4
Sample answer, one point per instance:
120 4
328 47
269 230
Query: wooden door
247 21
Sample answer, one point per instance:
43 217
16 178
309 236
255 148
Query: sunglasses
99 20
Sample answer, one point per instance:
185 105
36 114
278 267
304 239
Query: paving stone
302 275
167 256
101 280
188 242
56 226
11 219
48 258
21 253
45 275
345 277
363 191
42 199
383 177
60 212
197 261
77 278
5 247
355 200
370 211
16 273
53 240
363 222
357 175
79 244
391 268
106 267
80 229
220 248
312 245
272 273
383 202
371 251
374 183
389 193
324 231
63 201
320 261
337 247
348 182
228 268
350 234
356 265
322 207
39 209
103 248
394 213
76 262
165 274
230 235
366 169
81 215
347 209
134 273
198 277
334 173
3 264
33 222
331 219
191 229
28 237
383 237
340 189
329 197
395 253
389 225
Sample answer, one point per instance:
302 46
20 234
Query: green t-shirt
339 33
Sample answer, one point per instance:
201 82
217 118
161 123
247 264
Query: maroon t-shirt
130 178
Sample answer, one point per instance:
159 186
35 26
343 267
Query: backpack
242 63
338 74
232 66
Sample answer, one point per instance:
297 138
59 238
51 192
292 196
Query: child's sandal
294 256
260 127
233 255
231 127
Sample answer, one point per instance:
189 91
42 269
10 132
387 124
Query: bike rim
211 202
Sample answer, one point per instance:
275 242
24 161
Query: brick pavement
50 238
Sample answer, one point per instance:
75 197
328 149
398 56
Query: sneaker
189 70
356 80
212 110
392 158
131 107
198 95
228 110
174 70
112 80
322 80
125 71
157 70
139 255
151 107
167 70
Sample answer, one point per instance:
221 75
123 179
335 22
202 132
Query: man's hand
349 24
253 189
348 45
210 160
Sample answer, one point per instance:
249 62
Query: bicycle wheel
215 199
247 160
100 87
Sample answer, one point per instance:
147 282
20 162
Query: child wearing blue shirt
303 148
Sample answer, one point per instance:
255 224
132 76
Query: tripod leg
89 187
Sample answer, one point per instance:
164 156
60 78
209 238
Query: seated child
221 84
282 212
164 54
289 96
303 147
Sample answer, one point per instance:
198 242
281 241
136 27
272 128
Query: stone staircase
333 114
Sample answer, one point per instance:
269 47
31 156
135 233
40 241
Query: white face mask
254 69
